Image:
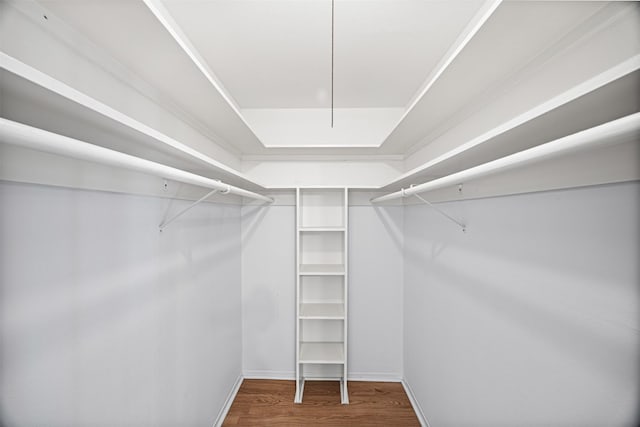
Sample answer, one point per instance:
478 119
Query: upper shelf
321 269
73 114
531 129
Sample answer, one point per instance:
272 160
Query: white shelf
322 352
321 269
322 311
316 229
322 226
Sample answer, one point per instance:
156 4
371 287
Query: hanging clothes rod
606 134
27 136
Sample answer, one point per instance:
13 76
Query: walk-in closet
319 213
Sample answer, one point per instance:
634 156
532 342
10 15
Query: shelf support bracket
440 211
165 223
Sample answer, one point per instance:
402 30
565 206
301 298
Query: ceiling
270 62
254 76
277 54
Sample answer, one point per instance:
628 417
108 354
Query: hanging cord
332 37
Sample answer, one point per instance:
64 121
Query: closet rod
608 133
27 136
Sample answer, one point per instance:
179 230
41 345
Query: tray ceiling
254 75
277 54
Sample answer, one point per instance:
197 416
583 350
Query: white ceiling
271 58
277 54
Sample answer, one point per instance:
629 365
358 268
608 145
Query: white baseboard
375 376
227 404
269 375
291 375
416 407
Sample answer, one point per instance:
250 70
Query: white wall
375 291
531 317
268 291
106 321
338 173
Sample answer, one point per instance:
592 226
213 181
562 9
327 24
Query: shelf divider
322 269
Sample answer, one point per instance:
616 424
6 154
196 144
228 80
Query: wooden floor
270 403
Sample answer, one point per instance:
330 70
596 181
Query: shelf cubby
321 352
321 287
327 311
321 207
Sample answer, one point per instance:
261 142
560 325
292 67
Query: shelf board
322 352
322 311
321 269
329 228
79 114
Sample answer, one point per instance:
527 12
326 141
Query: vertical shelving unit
321 287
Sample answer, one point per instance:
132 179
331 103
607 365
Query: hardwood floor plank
270 403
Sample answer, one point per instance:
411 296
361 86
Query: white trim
321 187
356 146
228 402
382 377
321 157
414 403
352 376
269 375
375 188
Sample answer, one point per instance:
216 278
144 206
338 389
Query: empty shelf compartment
321 352
322 311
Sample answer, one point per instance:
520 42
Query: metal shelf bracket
166 222
440 211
